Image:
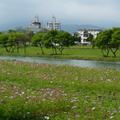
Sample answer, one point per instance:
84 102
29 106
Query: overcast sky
15 13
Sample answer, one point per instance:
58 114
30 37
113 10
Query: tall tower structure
53 19
54 25
36 19
35 26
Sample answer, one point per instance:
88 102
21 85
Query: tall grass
32 91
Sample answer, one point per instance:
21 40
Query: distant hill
75 27
69 28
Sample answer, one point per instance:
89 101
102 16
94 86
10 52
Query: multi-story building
94 31
54 25
84 34
35 26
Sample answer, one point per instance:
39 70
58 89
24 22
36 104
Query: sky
18 13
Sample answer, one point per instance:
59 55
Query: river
82 63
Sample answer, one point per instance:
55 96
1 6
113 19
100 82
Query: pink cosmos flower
43 99
111 117
38 113
4 102
77 115
27 100
72 100
73 106
93 108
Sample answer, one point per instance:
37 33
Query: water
82 63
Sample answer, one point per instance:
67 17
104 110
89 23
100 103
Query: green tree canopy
12 40
90 38
64 39
4 41
24 40
108 40
115 42
50 40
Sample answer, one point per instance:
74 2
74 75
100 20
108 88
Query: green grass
74 52
32 91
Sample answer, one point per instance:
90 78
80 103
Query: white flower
46 117
28 112
22 92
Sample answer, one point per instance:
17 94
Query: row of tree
57 40
107 40
14 40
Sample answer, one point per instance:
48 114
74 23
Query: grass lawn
32 91
74 52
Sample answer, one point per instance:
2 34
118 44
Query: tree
108 40
24 40
75 38
0 38
4 41
16 39
30 34
11 31
50 40
37 40
57 40
64 39
115 42
20 30
12 41
91 39
103 41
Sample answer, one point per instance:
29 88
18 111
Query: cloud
66 11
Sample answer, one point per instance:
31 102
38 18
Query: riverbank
58 92
78 53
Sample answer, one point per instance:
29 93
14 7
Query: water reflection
82 63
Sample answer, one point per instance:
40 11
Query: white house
84 34
94 31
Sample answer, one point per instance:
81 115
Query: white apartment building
84 34
54 25
35 26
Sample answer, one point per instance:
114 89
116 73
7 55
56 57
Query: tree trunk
61 49
24 48
114 52
6 48
40 46
17 48
105 54
55 50
12 49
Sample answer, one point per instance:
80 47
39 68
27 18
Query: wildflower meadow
34 91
